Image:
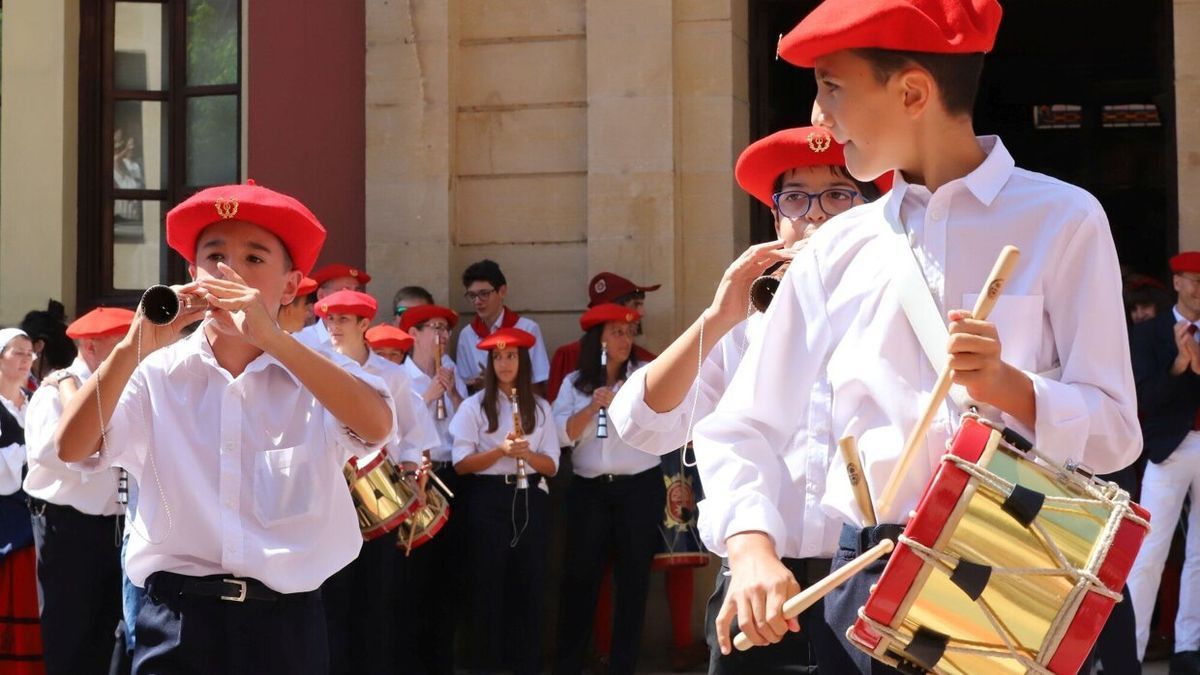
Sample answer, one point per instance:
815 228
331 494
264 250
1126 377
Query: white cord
513 516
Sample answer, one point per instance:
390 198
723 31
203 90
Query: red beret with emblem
419 314
101 322
307 286
765 160
934 26
1188 261
388 337
605 313
607 287
347 302
338 270
285 217
504 338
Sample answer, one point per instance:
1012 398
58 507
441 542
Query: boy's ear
289 290
916 88
192 272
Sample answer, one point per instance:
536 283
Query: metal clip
241 596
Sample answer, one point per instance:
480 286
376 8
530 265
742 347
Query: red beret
279 214
766 159
307 286
422 313
605 313
100 322
347 302
388 337
504 338
1188 261
607 287
338 270
937 26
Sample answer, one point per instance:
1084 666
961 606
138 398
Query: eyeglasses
797 203
472 296
400 309
439 327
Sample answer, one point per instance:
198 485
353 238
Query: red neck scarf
508 321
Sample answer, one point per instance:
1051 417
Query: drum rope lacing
1085 581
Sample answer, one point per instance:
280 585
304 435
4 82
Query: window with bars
160 118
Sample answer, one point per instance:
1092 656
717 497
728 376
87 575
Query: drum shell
1055 625
425 522
382 498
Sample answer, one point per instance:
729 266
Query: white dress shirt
442 451
238 476
48 477
469 428
315 335
808 532
836 355
12 457
415 430
597 456
471 360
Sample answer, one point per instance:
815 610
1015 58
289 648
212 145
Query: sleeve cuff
346 437
1061 431
643 428
748 512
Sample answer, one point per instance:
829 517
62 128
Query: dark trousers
615 520
202 635
505 624
359 605
1116 648
791 654
430 588
79 587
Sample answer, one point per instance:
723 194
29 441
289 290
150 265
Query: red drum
681 546
382 498
1010 564
426 522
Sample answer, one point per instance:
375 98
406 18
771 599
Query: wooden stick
858 479
983 306
809 596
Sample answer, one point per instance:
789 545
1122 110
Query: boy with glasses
486 289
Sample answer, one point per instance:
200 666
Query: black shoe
1185 663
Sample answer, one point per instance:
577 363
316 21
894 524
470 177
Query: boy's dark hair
622 299
484 270
956 75
410 293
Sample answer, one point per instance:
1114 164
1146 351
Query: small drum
681 545
382 499
426 522
1010 564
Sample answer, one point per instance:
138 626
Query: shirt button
936 214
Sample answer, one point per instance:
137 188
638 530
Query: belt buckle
509 479
610 477
241 594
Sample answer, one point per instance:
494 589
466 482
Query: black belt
616 477
439 466
228 588
861 539
506 478
40 506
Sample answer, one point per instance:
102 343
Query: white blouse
469 428
597 456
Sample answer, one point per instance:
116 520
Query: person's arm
1158 377
544 457
579 421
538 361
78 435
670 376
467 432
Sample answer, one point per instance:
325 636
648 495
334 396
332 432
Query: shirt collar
195 348
985 182
499 319
1179 317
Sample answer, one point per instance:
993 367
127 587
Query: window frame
97 98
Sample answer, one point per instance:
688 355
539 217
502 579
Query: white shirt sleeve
339 435
464 354
415 429
1089 413
570 401
127 436
548 431
739 445
41 421
659 433
466 429
12 458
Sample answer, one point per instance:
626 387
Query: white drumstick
809 596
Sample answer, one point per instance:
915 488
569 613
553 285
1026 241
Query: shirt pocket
284 486
1018 319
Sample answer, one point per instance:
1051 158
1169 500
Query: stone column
1187 124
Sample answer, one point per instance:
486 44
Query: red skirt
20 634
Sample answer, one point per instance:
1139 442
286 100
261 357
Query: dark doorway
1100 78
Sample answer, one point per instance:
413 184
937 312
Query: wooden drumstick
983 306
809 596
858 479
